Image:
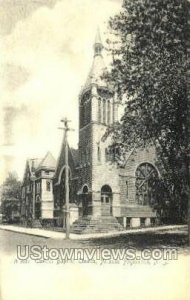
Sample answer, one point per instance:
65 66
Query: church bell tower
97 111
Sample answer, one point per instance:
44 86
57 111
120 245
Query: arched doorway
85 200
146 180
106 200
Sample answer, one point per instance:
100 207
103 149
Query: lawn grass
158 239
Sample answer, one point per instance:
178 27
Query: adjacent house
37 188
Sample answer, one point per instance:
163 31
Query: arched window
48 185
99 153
85 110
88 111
85 189
37 198
81 115
99 110
127 189
146 180
104 111
108 112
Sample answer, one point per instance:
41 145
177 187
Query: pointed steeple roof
48 162
98 46
98 39
98 66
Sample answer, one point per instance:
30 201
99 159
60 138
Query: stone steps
92 224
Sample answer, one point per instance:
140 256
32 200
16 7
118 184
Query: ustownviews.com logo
37 252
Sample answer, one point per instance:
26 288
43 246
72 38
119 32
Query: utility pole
67 208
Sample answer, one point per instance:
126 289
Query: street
160 239
80 280
9 241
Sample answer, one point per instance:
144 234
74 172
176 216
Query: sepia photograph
94 149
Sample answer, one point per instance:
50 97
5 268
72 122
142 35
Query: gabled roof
72 160
34 164
75 155
48 162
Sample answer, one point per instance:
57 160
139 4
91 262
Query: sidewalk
61 235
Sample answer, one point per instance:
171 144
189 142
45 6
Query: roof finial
98 43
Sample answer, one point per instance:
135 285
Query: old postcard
94 150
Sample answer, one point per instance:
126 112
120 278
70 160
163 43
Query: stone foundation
135 222
147 222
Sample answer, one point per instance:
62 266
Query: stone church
103 195
107 196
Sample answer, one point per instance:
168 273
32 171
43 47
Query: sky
46 53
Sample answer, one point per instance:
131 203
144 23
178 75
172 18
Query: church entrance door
86 197
106 200
84 205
